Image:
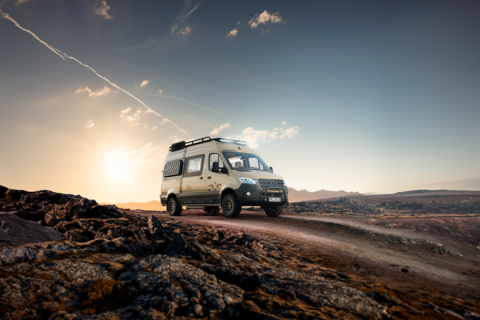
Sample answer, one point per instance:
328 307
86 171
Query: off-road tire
212 211
273 211
230 206
173 208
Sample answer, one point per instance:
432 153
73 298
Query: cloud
63 55
184 31
284 123
133 119
144 83
160 90
256 137
232 33
90 124
101 9
223 126
264 18
93 94
184 13
148 156
238 23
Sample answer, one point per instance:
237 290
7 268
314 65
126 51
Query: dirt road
369 248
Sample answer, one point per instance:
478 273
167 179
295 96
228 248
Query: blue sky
368 96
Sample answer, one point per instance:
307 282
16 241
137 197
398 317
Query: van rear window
173 168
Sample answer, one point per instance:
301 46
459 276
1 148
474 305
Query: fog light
248 193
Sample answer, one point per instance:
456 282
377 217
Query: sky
366 96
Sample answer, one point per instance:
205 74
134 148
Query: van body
219 173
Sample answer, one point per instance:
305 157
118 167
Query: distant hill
293 196
152 206
304 195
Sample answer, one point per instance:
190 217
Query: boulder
51 220
13 194
3 190
15 231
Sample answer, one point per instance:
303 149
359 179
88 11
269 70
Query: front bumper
259 197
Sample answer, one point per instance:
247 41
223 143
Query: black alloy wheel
230 206
173 208
273 211
212 211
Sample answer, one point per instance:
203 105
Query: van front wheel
273 211
212 211
173 208
230 206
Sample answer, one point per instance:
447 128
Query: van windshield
244 161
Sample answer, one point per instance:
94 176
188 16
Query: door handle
209 177
201 178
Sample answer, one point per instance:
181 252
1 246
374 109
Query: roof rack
182 144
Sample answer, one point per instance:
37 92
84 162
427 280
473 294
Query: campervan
216 173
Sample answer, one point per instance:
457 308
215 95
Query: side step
202 207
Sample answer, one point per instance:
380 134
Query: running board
202 207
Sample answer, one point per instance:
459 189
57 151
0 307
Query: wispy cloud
63 55
184 13
264 18
93 94
133 119
90 124
144 83
101 9
223 126
284 123
232 33
256 137
148 156
184 31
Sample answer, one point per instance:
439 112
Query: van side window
194 166
215 157
173 168
255 164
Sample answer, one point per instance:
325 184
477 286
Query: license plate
274 199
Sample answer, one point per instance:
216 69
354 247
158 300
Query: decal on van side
214 186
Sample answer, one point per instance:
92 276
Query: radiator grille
265 183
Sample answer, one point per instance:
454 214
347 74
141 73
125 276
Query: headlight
284 183
246 180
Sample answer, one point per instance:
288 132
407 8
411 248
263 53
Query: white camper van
210 174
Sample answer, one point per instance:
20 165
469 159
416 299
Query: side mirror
215 167
224 170
271 169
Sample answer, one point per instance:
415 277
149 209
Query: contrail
63 55
175 98
191 11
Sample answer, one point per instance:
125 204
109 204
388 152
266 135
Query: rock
51 220
12 194
384 297
21 214
15 231
2 192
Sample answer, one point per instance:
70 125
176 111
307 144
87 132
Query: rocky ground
393 206
116 265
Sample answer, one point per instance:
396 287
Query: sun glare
116 165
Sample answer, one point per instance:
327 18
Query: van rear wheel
273 211
212 211
230 206
173 208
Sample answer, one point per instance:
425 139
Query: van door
193 182
215 180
